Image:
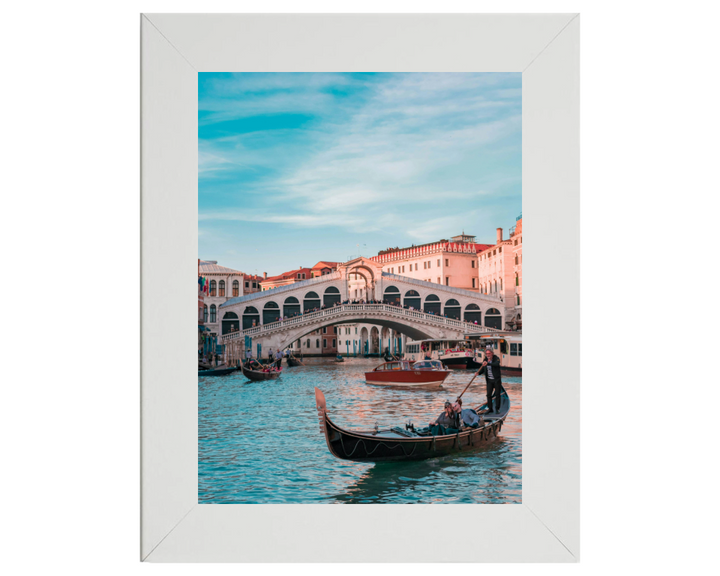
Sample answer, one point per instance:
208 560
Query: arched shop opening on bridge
392 295
493 318
291 306
412 298
331 296
271 312
452 309
230 322
473 313
250 315
432 304
311 301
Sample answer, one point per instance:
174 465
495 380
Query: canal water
260 442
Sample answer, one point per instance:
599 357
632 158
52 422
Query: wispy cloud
414 157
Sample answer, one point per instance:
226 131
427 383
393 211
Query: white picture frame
175 47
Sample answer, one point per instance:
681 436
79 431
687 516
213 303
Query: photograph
359 288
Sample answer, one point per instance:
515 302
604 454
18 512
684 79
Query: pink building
516 237
452 263
500 270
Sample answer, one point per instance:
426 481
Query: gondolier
491 368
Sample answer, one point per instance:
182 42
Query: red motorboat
422 374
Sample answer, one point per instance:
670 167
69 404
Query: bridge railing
349 309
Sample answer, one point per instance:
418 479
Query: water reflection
259 442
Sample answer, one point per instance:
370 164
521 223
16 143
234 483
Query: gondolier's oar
468 386
296 359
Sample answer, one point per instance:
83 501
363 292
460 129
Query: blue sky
300 167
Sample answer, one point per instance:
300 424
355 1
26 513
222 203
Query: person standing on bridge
493 378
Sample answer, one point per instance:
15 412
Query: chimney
499 235
264 275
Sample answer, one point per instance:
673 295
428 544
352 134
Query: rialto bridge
420 310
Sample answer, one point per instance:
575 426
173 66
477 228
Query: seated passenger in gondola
448 419
468 417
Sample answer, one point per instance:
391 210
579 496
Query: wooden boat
259 375
422 374
292 361
392 444
469 353
218 371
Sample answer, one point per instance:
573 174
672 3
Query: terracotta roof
324 264
288 275
215 268
488 246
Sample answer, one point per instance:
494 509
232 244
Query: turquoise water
260 442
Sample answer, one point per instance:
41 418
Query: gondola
259 375
393 444
339 358
292 361
217 371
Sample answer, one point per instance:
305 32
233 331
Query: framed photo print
380 216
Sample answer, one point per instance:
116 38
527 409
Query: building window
501 285
518 299
324 343
333 343
499 249
438 280
447 281
438 262
513 349
473 282
236 288
254 285
307 344
222 288
424 265
324 329
317 343
516 260
213 314
517 280
447 262
213 288
205 313
472 263
416 266
247 284
355 329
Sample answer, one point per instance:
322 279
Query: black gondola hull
369 447
258 375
